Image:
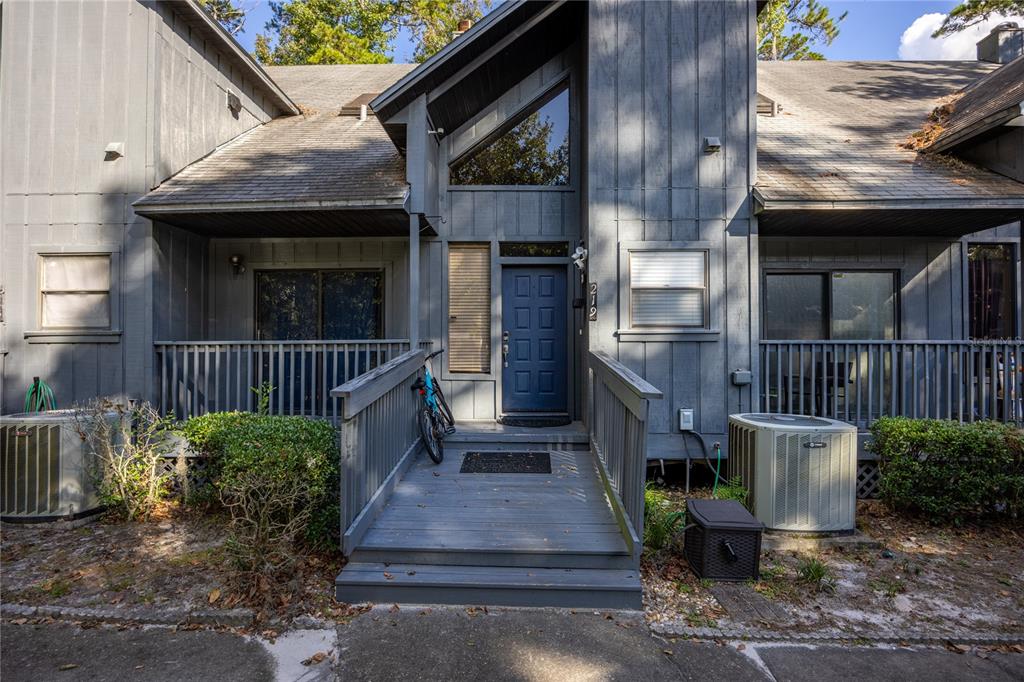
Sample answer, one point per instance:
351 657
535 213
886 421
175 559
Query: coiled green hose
39 397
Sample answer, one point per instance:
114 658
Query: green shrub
277 476
733 490
814 572
661 522
950 471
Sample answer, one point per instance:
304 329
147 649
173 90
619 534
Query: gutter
155 210
234 49
986 203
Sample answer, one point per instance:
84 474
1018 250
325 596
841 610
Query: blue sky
872 30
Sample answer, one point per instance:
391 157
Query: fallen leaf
388 576
315 658
68 666
667 652
214 595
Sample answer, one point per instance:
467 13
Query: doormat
506 463
535 422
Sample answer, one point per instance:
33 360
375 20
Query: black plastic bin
722 540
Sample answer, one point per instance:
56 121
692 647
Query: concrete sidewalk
465 644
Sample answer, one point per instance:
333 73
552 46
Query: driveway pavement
465 644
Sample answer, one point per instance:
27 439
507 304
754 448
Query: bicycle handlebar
436 352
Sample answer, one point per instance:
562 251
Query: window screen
75 292
469 308
668 288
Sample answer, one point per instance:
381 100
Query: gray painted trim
999 203
365 389
977 128
417 74
144 208
73 336
241 55
627 335
354 535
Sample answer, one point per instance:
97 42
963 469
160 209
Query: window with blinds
74 292
469 308
668 288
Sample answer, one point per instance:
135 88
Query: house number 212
592 303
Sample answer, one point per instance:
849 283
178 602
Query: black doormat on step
535 422
506 463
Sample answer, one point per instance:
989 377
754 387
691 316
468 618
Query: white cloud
917 42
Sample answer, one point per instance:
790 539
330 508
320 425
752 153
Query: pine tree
788 29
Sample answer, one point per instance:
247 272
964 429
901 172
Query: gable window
991 291
74 292
469 308
856 304
668 288
298 305
533 149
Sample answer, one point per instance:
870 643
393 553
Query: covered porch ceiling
288 221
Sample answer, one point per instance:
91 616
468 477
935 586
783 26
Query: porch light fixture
579 258
237 263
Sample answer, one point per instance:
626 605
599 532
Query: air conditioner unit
46 467
801 471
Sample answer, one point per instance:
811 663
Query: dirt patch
926 578
178 559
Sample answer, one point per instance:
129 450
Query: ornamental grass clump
948 471
662 523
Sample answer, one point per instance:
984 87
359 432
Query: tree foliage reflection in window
535 151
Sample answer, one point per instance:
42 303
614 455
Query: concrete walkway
465 644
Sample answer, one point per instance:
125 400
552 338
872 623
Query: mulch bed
926 578
177 559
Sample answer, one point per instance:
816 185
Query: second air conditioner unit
801 472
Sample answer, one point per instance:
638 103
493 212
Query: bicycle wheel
446 412
431 432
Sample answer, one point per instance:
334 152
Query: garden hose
718 469
39 397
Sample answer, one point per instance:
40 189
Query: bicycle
434 417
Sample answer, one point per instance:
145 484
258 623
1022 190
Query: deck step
361 582
512 558
491 436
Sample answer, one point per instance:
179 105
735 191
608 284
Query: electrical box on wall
685 419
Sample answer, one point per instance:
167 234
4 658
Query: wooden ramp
497 539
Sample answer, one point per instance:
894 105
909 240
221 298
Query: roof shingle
838 136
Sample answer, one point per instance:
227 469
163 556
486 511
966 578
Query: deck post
414 281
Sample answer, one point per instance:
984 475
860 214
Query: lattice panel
868 478
188 472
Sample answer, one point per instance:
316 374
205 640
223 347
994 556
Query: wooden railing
379 438
196 377
860 381
618 437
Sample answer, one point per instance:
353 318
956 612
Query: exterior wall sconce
113 151
712 145
237 263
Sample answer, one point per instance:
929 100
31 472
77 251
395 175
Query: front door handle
504 348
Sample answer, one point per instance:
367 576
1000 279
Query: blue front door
535 370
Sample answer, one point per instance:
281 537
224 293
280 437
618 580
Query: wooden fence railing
196 377
860 381
618 437
379 437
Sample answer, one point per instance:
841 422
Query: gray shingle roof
988 102
319 158
839 134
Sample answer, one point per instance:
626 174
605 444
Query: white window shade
76 273
74 292
667 269
668 288
670 307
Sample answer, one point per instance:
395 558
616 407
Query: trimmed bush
950 471
277 476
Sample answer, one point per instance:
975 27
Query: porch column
414 281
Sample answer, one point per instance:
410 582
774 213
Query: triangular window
533 149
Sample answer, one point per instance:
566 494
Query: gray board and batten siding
662 77
492 215
77 77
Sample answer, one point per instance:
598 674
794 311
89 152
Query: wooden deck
518 539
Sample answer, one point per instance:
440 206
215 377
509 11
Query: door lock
504 348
